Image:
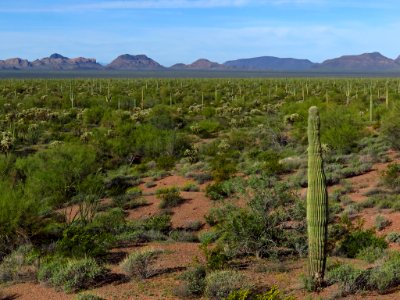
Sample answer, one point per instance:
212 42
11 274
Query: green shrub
271 163
380 278
219 284
341 128
190 187
385 276
194 281
370 254
390 127
358 240
111 221
55 175
223 168
207 128
390 176
21 217
140 264
170 197
216 259
347 277
71 275
81 241
165 162
216 191
161 223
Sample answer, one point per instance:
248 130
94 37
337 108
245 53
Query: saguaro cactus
317 201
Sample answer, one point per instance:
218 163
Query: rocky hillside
134 62
271 63
364 62
53 62
200 64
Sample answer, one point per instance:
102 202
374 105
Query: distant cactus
317 201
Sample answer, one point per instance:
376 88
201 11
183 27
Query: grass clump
140 264
193 281
380 278
219 284
190 187
170 197
19 265
393 237
71 275
381 222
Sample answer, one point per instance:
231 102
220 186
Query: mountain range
367 62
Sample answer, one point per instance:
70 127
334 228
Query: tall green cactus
317 201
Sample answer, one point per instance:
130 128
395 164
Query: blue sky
172 31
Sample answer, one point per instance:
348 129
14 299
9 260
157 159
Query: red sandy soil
195 207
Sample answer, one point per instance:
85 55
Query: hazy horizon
173 31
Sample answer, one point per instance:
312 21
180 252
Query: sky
172 31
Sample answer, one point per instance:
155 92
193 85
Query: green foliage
370 254
257 230
170 197
190 187
20 217
165 162
216 191
206 128
139 264
216 259
219 284
19 265
359 240
82 241
390 127
271 163
380 278
193 281
55 175
71 275
346 276
112 221
223 168
341 128
390 176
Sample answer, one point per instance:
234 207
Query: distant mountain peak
366 61
57 56
200 64
134 62
271 63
